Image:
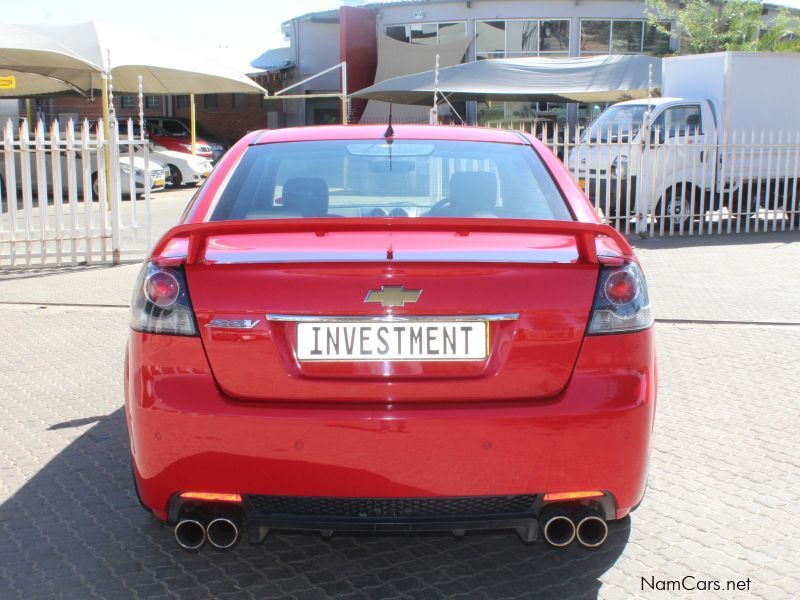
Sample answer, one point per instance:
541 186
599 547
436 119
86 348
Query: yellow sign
8 82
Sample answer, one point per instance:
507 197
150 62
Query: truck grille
371 508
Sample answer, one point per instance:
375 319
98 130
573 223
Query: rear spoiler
585 234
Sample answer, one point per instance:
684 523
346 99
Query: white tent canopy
32 84
79 54
42 64
610 78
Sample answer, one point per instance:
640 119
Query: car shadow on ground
35 272
706 239
76 530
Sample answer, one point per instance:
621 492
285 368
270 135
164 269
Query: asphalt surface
722 503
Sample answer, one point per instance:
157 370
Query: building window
491 39
656 42
152 101
522 37
626 37
428 34
211 101
595 37
622 36
554 36
182 101
452 32
238 101
127 101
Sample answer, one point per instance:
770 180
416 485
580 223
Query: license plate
158 182
206 173
582 184
393 341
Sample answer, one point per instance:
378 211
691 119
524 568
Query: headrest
306 195
473 191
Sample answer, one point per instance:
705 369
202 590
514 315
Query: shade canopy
79 54
42 64
611 78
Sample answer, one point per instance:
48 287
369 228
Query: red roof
401 132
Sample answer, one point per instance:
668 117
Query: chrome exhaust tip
558 529
591 531
190 534
222 533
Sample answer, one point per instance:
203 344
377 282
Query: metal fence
683 181
69 196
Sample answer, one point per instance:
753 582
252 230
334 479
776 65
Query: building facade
354 33
495 28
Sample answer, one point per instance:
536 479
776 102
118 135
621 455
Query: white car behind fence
69 196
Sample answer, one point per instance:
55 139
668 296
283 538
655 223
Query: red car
167 134
360 328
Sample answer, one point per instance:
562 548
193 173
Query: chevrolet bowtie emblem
392 295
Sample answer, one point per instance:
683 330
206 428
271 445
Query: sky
245 27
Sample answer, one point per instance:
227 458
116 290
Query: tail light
161 302
621 302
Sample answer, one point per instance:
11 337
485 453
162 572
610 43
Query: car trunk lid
526 294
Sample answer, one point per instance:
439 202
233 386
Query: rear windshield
406 178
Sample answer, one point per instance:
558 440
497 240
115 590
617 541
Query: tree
717 25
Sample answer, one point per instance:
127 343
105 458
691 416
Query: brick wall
225 120
231 122
79 108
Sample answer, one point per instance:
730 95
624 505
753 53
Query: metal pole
192 123
106 149
141 108
433 119
345 116
644 147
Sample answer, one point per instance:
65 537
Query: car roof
401 132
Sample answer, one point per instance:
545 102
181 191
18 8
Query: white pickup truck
718 137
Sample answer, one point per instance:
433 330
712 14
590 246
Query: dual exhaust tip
561 527
221 532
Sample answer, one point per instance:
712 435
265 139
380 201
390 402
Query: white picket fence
684 182
68 196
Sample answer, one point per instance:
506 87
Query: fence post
115 193
640 206
58 189
11 188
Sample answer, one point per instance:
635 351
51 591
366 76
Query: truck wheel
677 209
174 177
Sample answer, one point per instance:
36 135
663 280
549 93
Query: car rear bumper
188 436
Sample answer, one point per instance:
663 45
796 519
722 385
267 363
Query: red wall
358 46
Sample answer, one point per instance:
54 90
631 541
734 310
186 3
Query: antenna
389 133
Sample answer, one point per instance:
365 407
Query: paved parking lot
721 505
